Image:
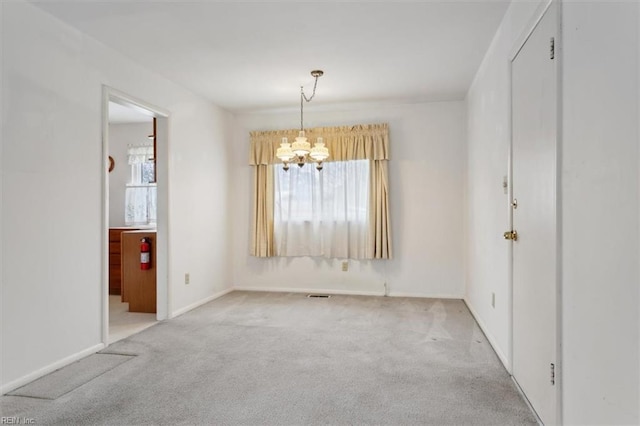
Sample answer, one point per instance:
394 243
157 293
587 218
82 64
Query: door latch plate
511 235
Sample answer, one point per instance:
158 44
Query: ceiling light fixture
300 151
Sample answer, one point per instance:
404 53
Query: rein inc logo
17 421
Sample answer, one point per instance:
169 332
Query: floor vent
319 296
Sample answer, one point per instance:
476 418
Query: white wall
600 213
487 204
200 210
426 174
52 79
121 135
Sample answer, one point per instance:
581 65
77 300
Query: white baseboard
490 338
425 296
50 368
346 292
309 290
200 302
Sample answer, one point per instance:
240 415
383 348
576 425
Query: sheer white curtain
140 153
323 213
140 205
140 194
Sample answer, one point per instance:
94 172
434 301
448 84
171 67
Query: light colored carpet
58 383
285 359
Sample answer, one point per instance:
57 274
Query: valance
359 142
138 154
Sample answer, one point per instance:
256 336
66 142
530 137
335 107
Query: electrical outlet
345 266
186 278
493 300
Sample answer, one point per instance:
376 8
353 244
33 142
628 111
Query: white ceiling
119 114
255 55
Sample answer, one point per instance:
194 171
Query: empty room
320 213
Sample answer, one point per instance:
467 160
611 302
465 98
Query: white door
534 148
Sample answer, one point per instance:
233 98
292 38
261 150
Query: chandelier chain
304 97
315 84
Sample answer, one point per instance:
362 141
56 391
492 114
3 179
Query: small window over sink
141 192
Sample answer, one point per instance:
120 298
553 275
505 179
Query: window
341 212
141 191
322 213
142 173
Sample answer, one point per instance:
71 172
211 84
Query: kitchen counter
138 285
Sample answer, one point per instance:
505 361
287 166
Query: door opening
134 216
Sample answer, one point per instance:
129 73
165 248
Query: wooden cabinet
138 285
115 262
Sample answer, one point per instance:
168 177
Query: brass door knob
511 235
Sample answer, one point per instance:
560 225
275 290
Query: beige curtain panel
380 225
359 142
263 244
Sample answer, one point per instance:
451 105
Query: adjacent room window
141 191
340 212
322 213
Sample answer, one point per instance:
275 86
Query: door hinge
553 374
552 48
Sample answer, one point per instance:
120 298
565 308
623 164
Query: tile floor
123 323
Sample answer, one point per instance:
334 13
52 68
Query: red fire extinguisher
145 253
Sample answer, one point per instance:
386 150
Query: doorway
135 212
534 217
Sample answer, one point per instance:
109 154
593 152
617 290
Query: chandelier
300 151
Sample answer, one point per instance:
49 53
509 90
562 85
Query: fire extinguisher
145 253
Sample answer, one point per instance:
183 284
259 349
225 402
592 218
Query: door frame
520 42
163 304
